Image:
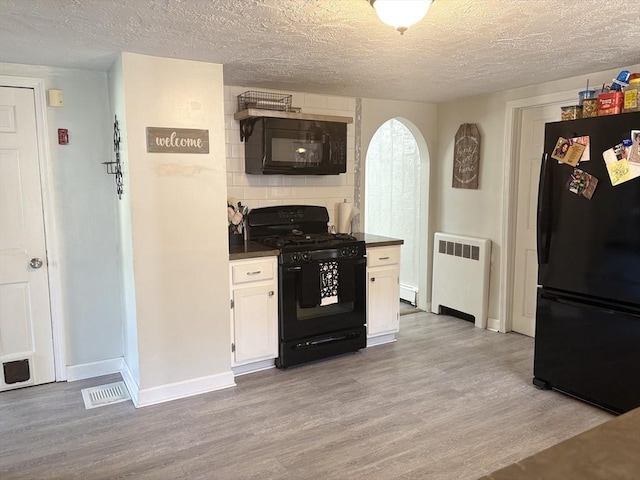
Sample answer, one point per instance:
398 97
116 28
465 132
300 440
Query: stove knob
295 257
354 251
306 256
344 251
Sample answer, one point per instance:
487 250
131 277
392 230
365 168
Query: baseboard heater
461 268
409 294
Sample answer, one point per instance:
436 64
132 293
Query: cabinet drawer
252 272
379 256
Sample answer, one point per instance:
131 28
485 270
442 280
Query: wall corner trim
130 382
493 324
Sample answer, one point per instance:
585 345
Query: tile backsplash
269 190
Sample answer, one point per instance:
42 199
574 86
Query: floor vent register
102 395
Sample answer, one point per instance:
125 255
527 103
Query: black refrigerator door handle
544 213
600 307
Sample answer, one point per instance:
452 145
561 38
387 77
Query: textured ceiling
461 48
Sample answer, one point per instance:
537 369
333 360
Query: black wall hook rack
115 168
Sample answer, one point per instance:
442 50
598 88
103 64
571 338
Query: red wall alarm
63 136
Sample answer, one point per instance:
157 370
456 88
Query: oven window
297 152
314 312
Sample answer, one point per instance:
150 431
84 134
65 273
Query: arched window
392 195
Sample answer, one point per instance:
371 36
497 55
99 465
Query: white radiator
461 267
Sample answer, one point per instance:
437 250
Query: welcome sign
177 140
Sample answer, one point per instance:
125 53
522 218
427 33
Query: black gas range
321 282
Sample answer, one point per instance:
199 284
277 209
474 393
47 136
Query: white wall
268 190
178 229
86 212
479 212
421 120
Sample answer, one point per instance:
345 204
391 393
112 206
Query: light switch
55 98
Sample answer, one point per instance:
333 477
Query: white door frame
424 285
510 193
48 207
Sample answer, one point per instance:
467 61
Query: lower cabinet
383 294
254 314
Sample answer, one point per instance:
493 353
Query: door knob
35 263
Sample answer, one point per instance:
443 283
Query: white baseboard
150 396
409 294
186 388
493 324
253 367
381 339
94 369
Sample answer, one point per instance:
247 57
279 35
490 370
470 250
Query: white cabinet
383 294
254 313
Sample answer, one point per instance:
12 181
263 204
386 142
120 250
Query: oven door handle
299 268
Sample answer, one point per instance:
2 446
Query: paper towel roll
345 213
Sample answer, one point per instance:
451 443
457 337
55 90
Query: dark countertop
251 250
606 452
377 240
256 250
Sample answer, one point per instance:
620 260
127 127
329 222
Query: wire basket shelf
264 101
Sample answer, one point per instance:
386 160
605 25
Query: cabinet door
383 297
255 323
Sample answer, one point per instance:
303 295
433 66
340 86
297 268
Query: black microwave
288 146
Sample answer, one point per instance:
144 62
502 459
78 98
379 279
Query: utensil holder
236 238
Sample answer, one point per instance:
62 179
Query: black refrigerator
587 340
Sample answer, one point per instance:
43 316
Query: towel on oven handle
328 283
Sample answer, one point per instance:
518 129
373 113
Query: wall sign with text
177 140
466 157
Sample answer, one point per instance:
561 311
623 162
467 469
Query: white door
26 344
523 316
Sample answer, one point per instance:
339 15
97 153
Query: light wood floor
446 401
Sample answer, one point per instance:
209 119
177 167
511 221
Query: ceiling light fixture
401 14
